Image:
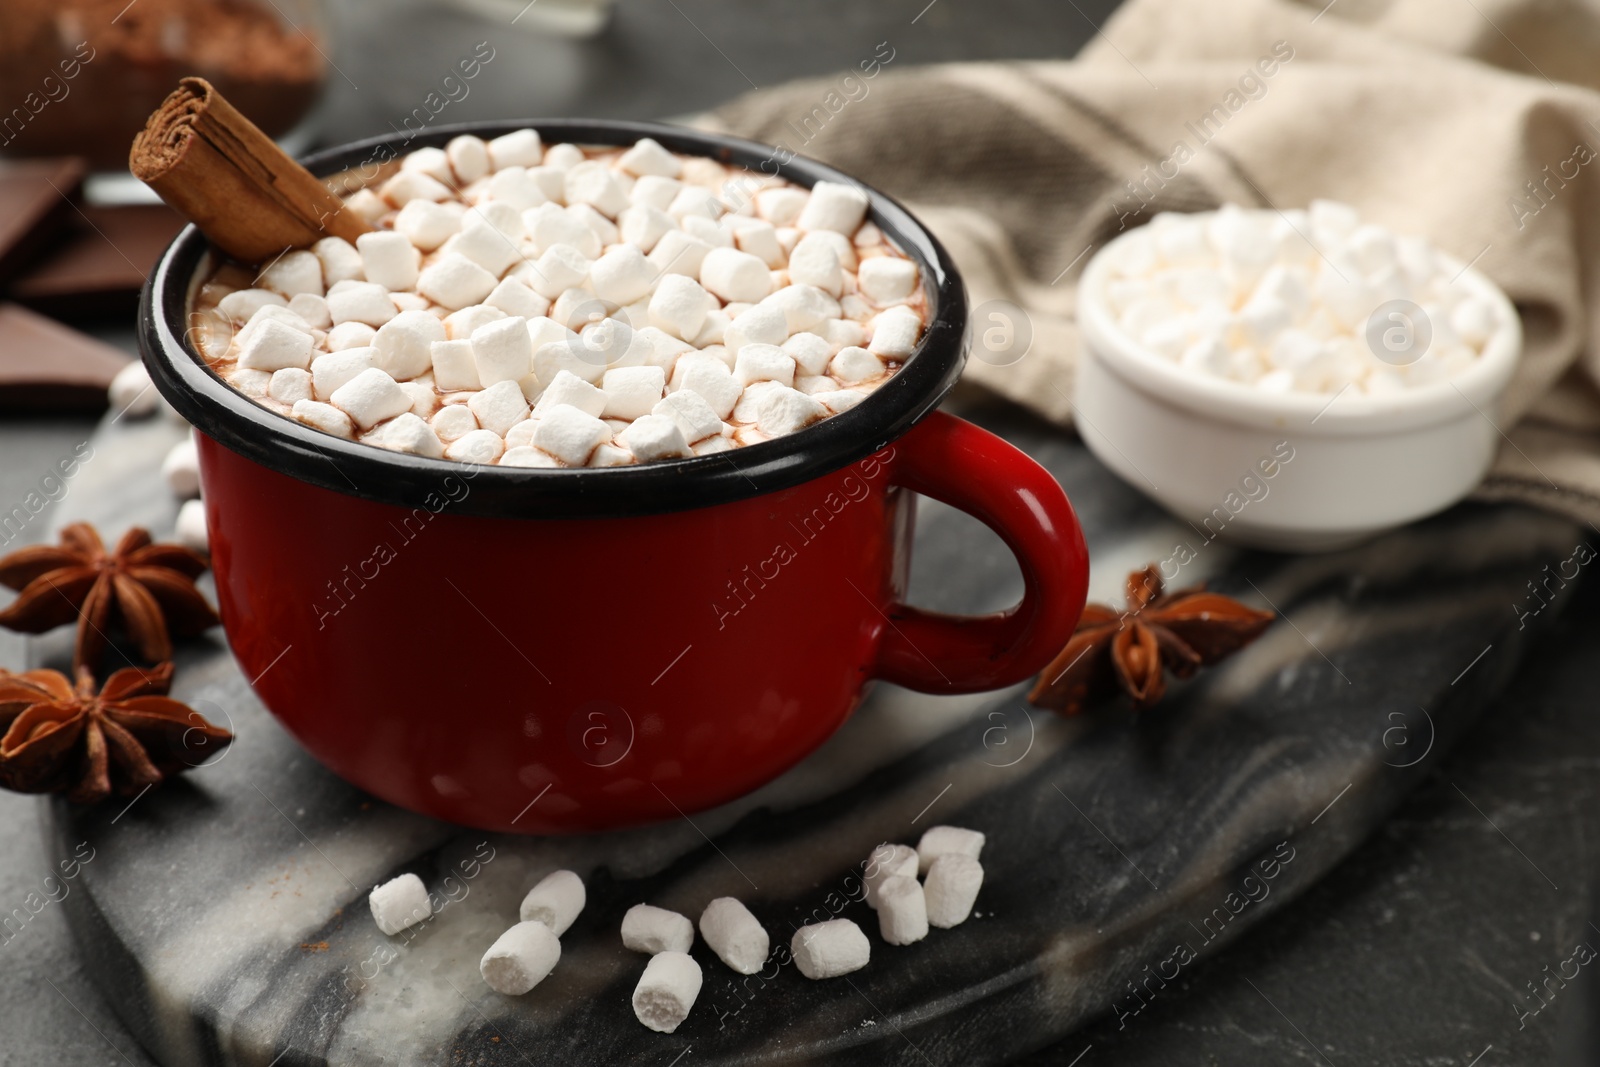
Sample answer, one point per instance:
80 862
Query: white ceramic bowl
1286 471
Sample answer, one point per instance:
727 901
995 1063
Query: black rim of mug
349 468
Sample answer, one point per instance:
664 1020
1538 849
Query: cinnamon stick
227 177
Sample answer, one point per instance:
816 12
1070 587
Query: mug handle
951 460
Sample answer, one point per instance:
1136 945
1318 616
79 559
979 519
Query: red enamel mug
552 651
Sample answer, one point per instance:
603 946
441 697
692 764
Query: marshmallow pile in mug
547 307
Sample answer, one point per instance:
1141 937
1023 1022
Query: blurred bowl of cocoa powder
80 77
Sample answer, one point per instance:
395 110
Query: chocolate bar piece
100 265
36 198
46 367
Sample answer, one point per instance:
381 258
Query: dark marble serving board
225 916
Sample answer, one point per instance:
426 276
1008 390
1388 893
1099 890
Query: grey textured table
1418 950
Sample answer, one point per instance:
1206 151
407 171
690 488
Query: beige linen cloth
1429 116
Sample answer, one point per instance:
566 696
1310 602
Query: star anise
1179 632
150 586
64 738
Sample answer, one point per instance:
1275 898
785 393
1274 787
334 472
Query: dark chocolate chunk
46 367
36 204
100 266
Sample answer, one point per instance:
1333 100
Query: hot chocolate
535 306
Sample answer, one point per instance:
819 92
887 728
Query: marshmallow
761 325
648 157
468 157
402 347
293 273
273 345
484 244
734 275
476 446
427 225
810 353
704 229
520 958
760 239
951 888
513 297
407 432
271 313
324 417
430 161
693 414
252 383
839 400
947 840
515 188
389 259
833 206
842 333
830 949
591 182
679 253
455 281
131 391
902 910
368 204
312 310
331 370
646 928
570 434
399 903
568 388
786 410
527 456
666 991
181 469
549 224
804 307
642 225
561 268
370 397
190 528
622 275
551 181
854 365
632 391
340 261
711 445
349 335
571 356
503 350
760 363
499 407
680 305
885 279
610 456
453 422
781 207
520 148
712 379
816 263
887 861
696 202
408 186
365 302
654 190
735 935
289 385
894 333
654 437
